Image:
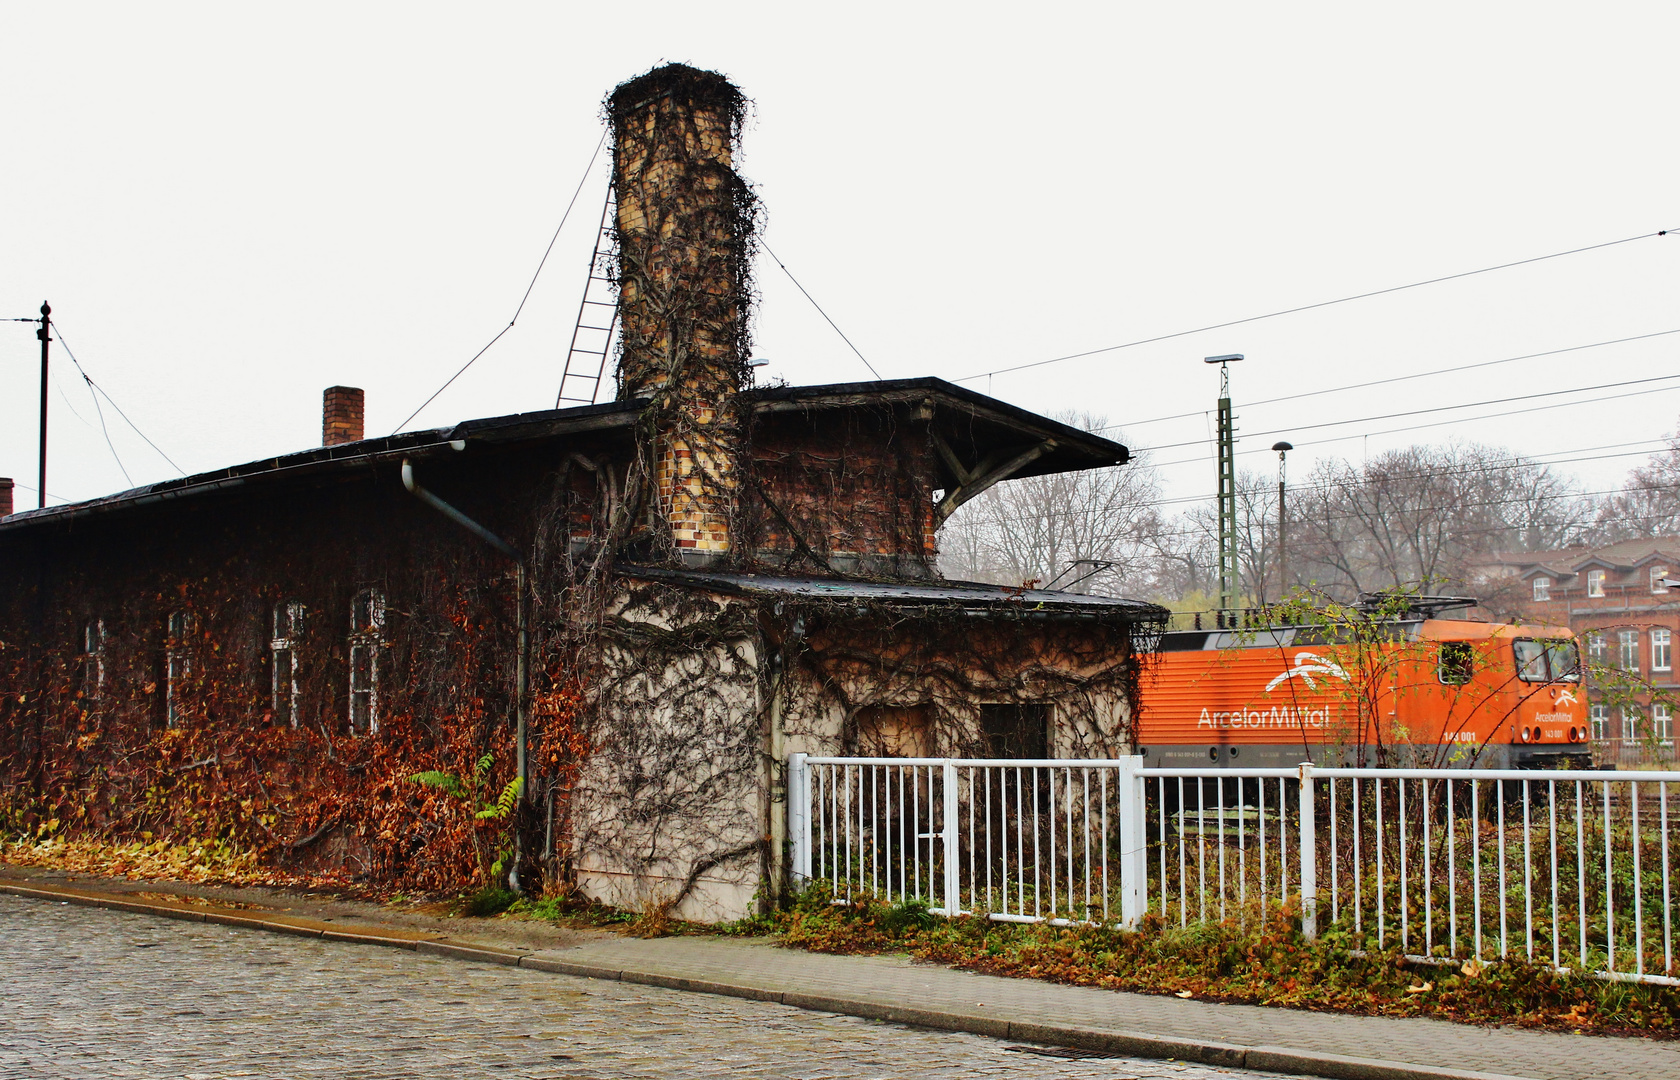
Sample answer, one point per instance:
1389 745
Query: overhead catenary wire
1451 408
1289 311
540 264
1516 463
103 430
777 260
1311 307
99 412
94 387
1311 487
31 487
1430 424
1300 490
1453 370
1266 520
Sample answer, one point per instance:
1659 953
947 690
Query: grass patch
1264 962
488 901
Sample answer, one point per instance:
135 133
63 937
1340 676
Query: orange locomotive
1425 691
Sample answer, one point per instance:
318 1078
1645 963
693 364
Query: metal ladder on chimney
586 364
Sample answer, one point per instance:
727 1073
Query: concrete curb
1134 1044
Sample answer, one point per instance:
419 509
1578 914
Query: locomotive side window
1531 660
1564 659
1456 664
1545 661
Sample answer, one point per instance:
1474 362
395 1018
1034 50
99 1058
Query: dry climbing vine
659 705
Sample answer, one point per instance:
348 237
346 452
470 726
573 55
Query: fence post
953 883
799 817
1309 855
1129 795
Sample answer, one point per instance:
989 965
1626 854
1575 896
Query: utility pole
45 334
1227 493
1282 448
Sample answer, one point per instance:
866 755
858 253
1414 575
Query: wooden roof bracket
991 469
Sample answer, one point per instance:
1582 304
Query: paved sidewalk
895 989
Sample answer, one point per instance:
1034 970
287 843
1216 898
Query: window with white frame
1456 663
1598 718
1542 588
93 661
177 664
1662 657
283 662
1627 642
1595 583
1598 648
1658 575
1662 724
367 624
1630 723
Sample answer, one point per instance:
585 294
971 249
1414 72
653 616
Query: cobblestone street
109 994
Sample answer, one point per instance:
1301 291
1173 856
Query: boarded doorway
1016 731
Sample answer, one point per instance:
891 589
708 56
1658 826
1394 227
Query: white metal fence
1575 869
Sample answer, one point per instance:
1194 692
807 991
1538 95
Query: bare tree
1420 517
1197 533
1036 528
1648 504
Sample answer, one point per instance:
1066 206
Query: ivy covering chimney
685 229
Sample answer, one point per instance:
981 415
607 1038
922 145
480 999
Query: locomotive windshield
1546 661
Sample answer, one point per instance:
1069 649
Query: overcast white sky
232 207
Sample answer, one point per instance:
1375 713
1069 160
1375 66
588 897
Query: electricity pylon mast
1227 493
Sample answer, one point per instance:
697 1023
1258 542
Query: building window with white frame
1598 720
1630 723
367 624
1662 724
1659 574
1595 583
93 662
177 664
1662 656
1598 648
1627 642
283 662
1542 588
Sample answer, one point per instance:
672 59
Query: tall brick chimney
341 415
685 235
5 496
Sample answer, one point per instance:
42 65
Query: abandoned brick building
666 594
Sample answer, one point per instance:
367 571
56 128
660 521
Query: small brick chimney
341 415
685 237
5 496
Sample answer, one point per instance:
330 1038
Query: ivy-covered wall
185 670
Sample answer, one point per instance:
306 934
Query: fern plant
498 809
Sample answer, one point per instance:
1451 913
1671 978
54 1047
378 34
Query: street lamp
1282 448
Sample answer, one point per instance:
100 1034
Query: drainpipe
778 762
522 670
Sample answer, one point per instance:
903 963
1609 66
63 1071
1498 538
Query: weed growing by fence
1264 960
